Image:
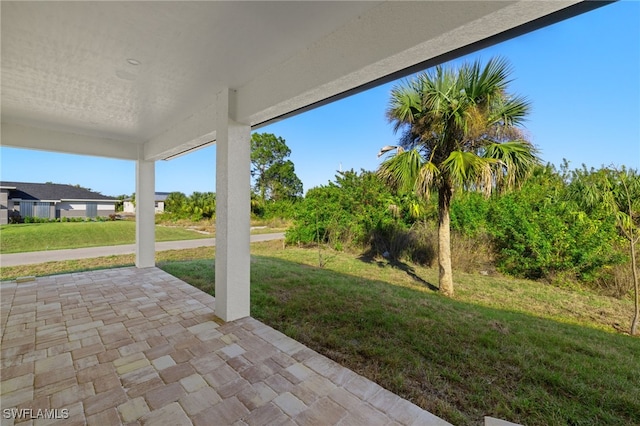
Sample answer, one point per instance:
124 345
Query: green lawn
513 349
54 236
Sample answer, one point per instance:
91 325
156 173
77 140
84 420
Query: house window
34 209
92 210
26 209
42 210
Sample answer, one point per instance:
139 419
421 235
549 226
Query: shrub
395 241
359 212
537 234
615 280
280 209
35 219
469 213
14 217
344 213
472 254
315 216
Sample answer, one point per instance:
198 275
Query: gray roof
159 196
51 191
162 196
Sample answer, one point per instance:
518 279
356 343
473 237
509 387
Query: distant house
52 201
128 206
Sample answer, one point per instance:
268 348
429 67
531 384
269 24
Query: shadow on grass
455 359
408 269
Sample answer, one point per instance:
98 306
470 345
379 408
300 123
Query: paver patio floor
139 346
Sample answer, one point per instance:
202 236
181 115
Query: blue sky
582 77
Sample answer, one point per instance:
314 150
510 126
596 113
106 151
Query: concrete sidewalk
34 257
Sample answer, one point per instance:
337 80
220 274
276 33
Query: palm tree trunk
636 316
444 240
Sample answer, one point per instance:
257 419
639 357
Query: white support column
233 205
145 214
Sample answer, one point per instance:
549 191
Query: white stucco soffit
131 79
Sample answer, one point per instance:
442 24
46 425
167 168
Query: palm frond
401 170
625 223
495 76
468 170
509 111
426 179
516 160
409 172
405 105
588 194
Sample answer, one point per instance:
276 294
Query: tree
201 205
275 177
175 202
119 206
615 192
281 181
459 131
345 212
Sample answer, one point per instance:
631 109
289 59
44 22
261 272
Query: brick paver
138 346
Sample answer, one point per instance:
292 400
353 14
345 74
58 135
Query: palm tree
458 133
201 205
175 202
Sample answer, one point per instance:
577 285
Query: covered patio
150 81
139 346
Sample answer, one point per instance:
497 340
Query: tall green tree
459 132
275 177
281 181
614 192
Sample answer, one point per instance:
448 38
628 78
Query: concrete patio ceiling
138 80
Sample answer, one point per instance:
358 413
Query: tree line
460 139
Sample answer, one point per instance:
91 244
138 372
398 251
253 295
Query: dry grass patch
105 262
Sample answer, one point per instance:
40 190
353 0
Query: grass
259 225
106 262
54 236
514 349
